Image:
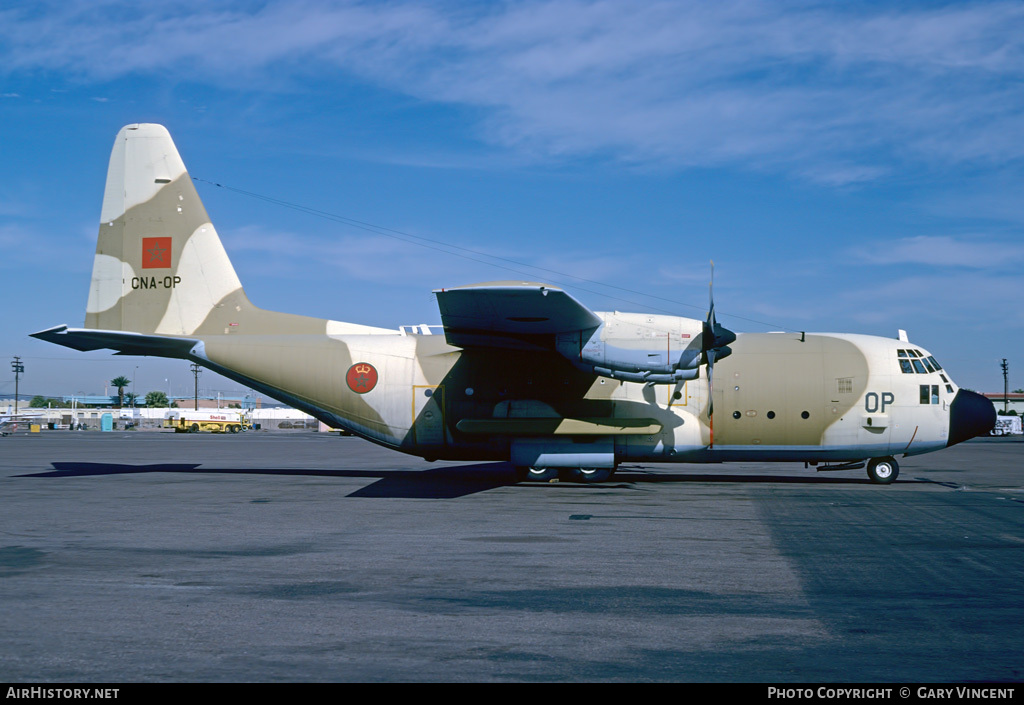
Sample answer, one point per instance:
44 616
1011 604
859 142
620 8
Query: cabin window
934 362
905 366
919 368
929 394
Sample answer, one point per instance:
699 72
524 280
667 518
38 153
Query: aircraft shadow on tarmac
447 482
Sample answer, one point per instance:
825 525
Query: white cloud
944 251
832 93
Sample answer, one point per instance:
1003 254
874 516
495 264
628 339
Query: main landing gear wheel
883 471
589 475
528 474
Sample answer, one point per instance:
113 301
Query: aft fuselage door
428 415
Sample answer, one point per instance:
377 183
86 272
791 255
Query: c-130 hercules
523 372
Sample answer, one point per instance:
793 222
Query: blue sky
850 167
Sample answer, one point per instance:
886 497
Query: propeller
714 341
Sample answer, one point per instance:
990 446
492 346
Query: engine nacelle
647 349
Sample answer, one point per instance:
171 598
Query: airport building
1007 403
103 416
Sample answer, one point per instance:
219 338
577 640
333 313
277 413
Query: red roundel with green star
361 377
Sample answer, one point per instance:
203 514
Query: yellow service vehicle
219 421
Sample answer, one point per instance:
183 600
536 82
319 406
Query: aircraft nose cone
970 415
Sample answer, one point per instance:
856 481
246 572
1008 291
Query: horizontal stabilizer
123 342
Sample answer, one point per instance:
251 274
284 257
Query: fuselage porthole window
770 414
805 415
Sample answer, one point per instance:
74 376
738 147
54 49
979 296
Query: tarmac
154 557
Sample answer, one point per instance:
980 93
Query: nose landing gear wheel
883 471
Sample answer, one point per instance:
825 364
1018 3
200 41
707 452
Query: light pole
134 393
19 369
1006 386
196 371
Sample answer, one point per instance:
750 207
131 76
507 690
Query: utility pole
19 369
1006 386
196 371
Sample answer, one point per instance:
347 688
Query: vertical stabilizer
160 266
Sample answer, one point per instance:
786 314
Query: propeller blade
715 335
711 367
715 338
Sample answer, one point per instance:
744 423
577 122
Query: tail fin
160 266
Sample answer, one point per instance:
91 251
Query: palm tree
120 382
157 399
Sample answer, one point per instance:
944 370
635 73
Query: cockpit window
916 362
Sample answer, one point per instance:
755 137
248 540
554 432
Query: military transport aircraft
522 372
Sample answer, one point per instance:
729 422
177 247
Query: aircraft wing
518 315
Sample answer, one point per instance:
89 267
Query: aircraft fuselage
779 396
